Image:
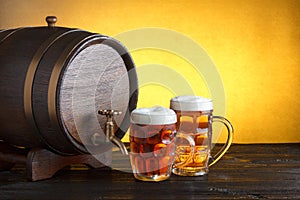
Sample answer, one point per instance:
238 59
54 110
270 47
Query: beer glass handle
226 146
192 147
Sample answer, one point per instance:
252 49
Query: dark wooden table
263 171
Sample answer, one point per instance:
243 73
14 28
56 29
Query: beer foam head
191 103
153 116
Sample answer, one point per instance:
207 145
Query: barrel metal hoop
10 34
28 84
54 80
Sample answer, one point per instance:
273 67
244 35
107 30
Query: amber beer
152 143
195 124
153 149
194 119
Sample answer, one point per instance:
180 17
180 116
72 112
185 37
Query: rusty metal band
54 80
32 68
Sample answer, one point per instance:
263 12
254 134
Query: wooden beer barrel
53 81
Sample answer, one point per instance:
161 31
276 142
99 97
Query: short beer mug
194 119
152 143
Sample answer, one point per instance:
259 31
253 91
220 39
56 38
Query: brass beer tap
109 129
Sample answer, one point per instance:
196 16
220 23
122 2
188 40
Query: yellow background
255 45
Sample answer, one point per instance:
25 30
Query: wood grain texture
96 79
262 171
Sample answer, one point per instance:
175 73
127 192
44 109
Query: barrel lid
156 115
191 103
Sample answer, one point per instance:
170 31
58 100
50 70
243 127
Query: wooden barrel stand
43 164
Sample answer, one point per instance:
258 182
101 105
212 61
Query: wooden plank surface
261 171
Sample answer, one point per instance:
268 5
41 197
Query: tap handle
109 113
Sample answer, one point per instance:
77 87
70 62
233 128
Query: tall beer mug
195 118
